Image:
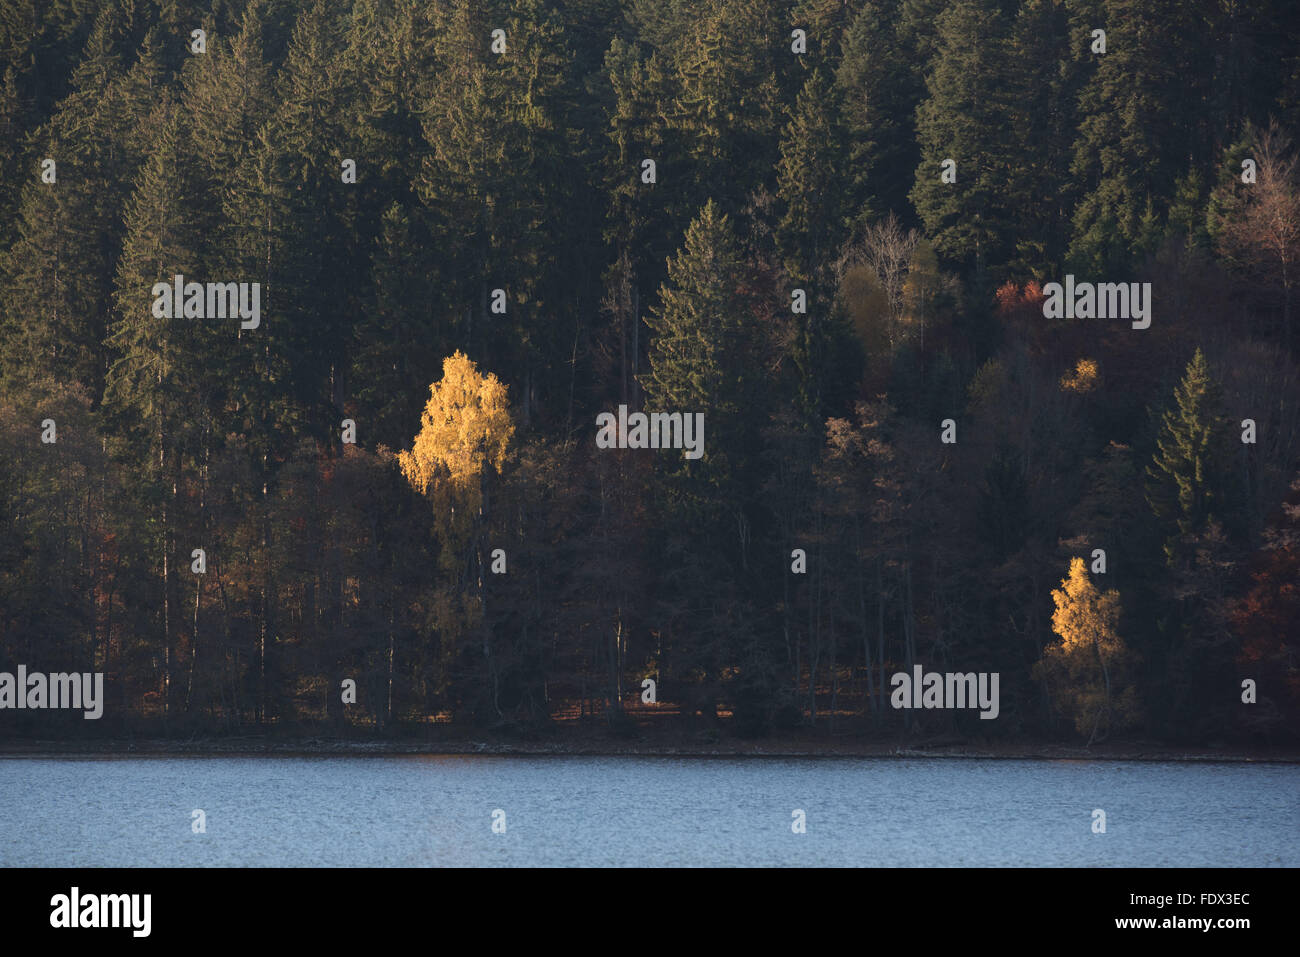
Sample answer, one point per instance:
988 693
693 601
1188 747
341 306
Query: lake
642 811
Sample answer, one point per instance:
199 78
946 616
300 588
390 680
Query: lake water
633 811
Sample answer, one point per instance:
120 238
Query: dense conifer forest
310 313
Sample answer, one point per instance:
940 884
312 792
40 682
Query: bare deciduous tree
886 249
1259 230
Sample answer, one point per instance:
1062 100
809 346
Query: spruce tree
156 395
1043 81
705 359
1141 120
705 334
966 118
59 272
1187 478
880 85
726 110
811 228
404 333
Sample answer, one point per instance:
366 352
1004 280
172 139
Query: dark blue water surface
642 811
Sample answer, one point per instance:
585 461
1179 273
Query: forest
311 312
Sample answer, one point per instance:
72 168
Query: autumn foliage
1087 670
465 427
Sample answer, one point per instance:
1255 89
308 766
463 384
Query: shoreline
319 746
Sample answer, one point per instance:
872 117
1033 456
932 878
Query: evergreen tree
726 109
494 184
880 86
1043 81
321 282
58 275
705 331
1141 121
156 394
966 119
1187 478
15 160
703 360
640 217
812 156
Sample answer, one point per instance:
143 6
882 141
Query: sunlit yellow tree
464 438
465 429
1089 668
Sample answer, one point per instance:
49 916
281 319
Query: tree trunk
1105 673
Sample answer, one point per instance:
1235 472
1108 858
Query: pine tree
1190 489
640 218
391 54
402 336
54 300
228 93
812 229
